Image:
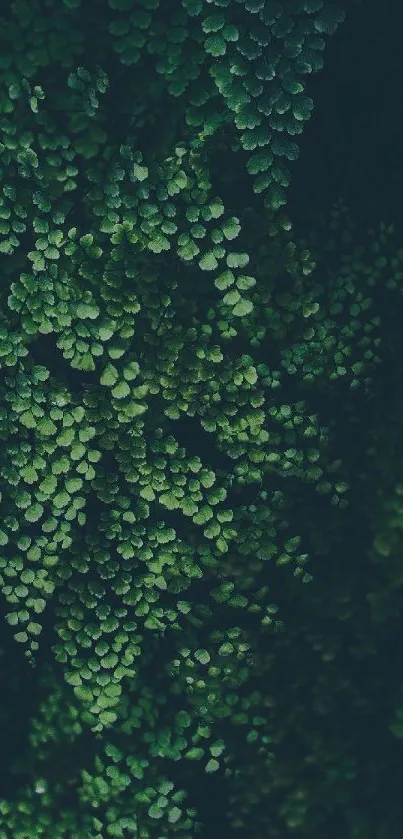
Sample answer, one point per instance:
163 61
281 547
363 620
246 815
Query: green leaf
12 619
215 45
86 362
231 297
212 766
34 512
183 719
115 351
147 493
188 506
237 260
107 717
34 628
259 162
202 656
225 280
65 438
216 207
105 332
83 693
174 815
29 474
28 419
109 661
208 262
112 751
207 479
223 592
244 282
204 514
250 375
212 530
214 22
231 228
27 576
61 500
40 373
73 678
159 243
194 754
136 409
3 538
22 637
244 307
131 371
46 427
87 310
168 500
140 172
226 649
155 812
121 390
311 309
109 375
48 485
86 240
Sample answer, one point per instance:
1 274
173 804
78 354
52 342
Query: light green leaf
194 754
207 479
202 656
22 637
46 427
131 371
250 375
73 678
155 812
225 280
86 240
231 228
140 172
34 512
12 619
28 419
27 576
208 262
3 538
147 493
105 332
216 207
212 766
231 297
244 282
61 500
237 260
244 307
168 500
83 693
121 390
34 628
73 484
107 717
109 375
87 310
29 474
174 815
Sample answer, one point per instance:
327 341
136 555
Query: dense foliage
201 511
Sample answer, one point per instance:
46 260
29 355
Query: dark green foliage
181 376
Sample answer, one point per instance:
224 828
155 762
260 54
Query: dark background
352 146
